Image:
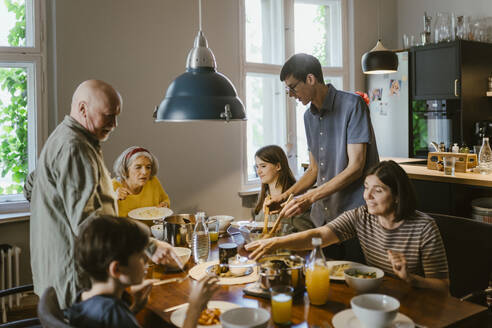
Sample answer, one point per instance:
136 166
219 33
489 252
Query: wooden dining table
425 307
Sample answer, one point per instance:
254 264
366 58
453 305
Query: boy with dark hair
111 251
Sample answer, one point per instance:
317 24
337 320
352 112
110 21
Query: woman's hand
140 294
198 300
163 204
399 264
122 193
297 205
261 247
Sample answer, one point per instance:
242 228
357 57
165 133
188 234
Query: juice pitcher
317 275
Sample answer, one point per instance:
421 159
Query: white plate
333 263
256 224
178 316
347 319
150 213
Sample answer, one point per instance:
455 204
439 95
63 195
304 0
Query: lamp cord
200 15
379 22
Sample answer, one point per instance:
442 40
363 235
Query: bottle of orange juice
317 275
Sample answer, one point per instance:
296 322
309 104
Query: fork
170 280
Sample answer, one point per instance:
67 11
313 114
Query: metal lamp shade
379 61
200 94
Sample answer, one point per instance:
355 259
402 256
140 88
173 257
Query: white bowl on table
157 231
245 317
224 221
183 253
363 285
375 310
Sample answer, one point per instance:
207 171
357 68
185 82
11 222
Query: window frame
251 67
35 61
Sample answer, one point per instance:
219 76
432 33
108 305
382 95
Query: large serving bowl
287 270
245 318
375 310
363 285
224 221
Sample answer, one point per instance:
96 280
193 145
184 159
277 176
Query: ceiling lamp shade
379 60
201 93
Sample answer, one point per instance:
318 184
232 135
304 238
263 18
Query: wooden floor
27 309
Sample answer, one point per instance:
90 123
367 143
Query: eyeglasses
292 88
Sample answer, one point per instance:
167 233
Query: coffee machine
482 129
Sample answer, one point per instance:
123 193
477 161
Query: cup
449 164
281 297
406 41
226 251
213 230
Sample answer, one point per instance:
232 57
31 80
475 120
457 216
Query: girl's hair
392 175
274 155
126 158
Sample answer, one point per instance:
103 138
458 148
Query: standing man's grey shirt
343 119
71 184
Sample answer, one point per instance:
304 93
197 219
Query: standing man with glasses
341 147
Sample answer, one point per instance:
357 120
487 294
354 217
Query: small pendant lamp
201 93
379 60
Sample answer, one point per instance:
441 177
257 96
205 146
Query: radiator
9 276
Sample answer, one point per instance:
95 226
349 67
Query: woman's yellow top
152 194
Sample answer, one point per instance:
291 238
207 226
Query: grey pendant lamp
201 93
379 60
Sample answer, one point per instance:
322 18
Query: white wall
140 47
410 13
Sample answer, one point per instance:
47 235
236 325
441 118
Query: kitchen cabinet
455 73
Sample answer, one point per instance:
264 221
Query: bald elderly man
71 185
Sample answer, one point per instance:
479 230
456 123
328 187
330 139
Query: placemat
198 272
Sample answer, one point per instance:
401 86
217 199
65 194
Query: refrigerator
389 96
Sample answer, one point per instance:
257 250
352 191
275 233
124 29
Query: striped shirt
417 238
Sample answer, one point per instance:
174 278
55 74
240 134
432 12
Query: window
21 95
274 30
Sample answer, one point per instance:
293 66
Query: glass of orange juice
213 230
281 304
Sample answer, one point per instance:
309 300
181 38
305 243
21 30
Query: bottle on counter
201 239
485 157
455 148
317 275
442 147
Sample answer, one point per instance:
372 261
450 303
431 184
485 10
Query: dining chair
468 245
30 322
49 311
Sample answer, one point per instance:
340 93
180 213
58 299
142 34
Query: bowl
245 318
363 285
157 231
375 310
183 254
224 221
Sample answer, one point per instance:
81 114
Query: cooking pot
275 270
178 229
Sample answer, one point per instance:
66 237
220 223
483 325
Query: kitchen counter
421 172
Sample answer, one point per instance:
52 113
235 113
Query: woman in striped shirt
393 235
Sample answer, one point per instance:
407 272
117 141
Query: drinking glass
406 43
281 304
213 230
442 29
449 164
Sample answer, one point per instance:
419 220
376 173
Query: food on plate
149 213
360 274
223 271
209 317
337 270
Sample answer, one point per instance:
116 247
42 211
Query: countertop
421 172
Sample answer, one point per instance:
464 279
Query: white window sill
14 217
14 211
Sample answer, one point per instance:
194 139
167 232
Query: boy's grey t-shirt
101 311
343 119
